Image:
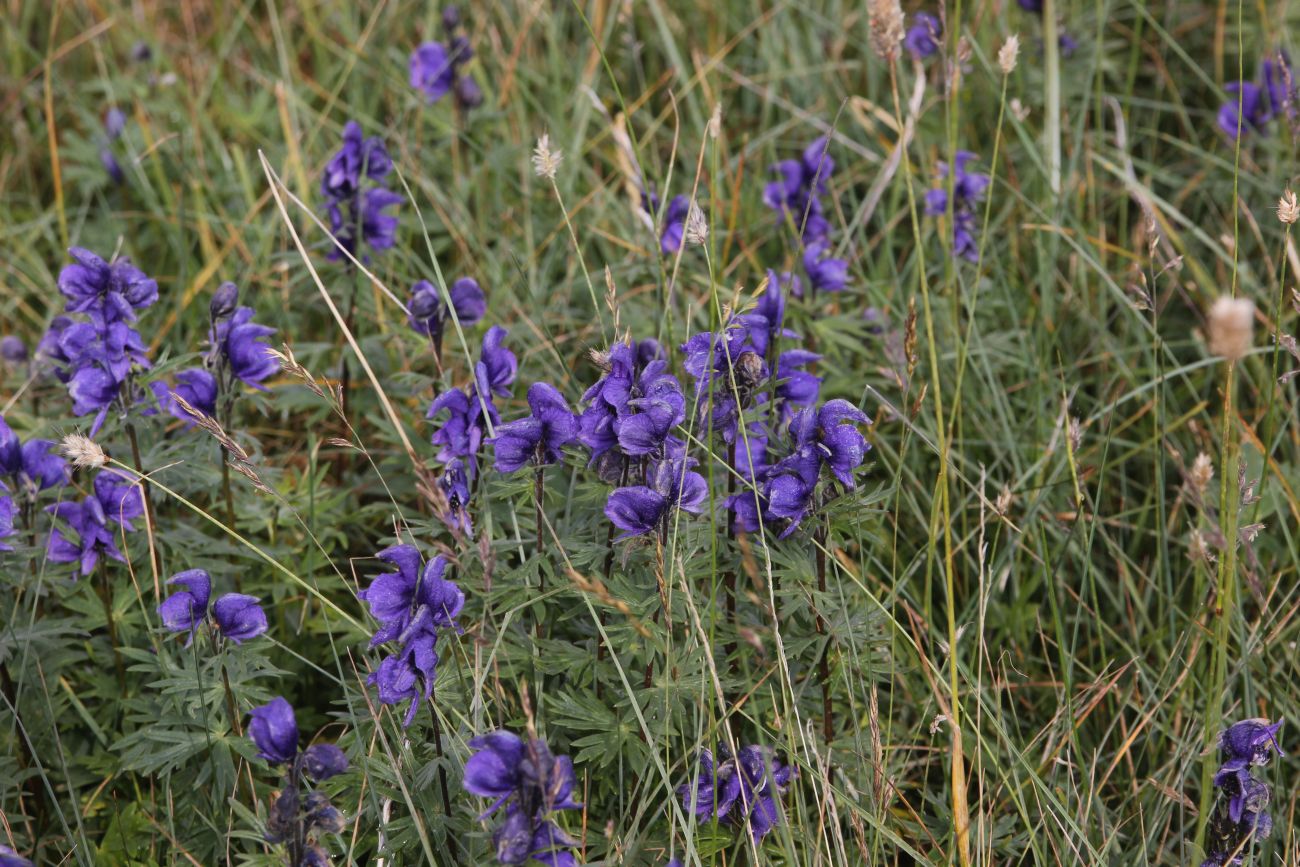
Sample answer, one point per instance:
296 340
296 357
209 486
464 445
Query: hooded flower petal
275 731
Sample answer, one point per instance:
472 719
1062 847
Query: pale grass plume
1201 473
887 28
1232 327
1288 208
696 230
546 162
715 122
83 451
1009 53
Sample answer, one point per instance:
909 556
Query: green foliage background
1012 591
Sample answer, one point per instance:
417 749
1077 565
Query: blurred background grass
1085 626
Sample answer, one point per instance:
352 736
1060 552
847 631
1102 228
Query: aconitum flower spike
275 731
744 790
110 291
322 761
531 783
239 617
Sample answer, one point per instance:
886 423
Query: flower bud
224 300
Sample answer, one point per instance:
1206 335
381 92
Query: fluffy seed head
715 121
1232 327
546 161
1009 53
887 28
1201 473
696 230
83 451
1288 209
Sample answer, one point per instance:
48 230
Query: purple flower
112 500
462 434
1243 746
359 157
825 272
742 790
1249 742
364 219
238 342
184 611
795 387
531 783
10 858
111 292
540 437
410 604
1279 85
12 349
1247 109
111 166
436 69
322 761
224 301
114 122
727 372
674 224
794 196
641 509
7 513
33 463
922 38
431 71
197 386
357 216
427 313
634 405
968 190
239 617
454 484
275 731
497 365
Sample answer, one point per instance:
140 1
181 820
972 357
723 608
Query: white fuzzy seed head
1232 327
1288 209
887 28
83 451
546 162
1009 53
696 230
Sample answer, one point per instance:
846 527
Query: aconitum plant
429 315
295 821
471 413
968 189
1252 105
532 784
98 355
356 210
411 605
744 790
437 69
1243 747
